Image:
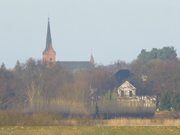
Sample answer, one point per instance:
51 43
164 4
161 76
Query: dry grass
89 130
142 122
50 119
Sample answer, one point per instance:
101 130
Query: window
130 93
122 93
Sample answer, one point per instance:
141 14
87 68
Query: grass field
89 130
51 124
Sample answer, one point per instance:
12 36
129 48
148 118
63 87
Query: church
49 57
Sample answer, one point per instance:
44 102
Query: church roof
75 65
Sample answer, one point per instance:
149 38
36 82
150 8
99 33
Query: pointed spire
49 54
92 59
48 38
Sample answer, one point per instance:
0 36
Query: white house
126 90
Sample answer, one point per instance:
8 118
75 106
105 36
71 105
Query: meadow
52 124
89 130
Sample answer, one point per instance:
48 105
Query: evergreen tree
166 53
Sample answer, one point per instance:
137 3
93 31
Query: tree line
34 87
162 68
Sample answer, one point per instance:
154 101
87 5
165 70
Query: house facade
126 90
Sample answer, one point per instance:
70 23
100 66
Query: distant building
126 90
144 78
49 57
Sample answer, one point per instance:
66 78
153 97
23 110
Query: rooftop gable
127 86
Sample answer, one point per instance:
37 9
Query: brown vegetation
55 119
35 87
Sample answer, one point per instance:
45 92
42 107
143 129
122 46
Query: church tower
49 54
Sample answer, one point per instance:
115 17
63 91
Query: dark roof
76 65
122 75
48 38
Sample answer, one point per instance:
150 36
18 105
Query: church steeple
92 59
48 38
49 54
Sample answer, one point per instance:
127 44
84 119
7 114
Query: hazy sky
112 29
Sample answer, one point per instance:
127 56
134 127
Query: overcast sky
112 29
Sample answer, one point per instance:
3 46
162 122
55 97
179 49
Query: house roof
127 86
75 65
122 75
